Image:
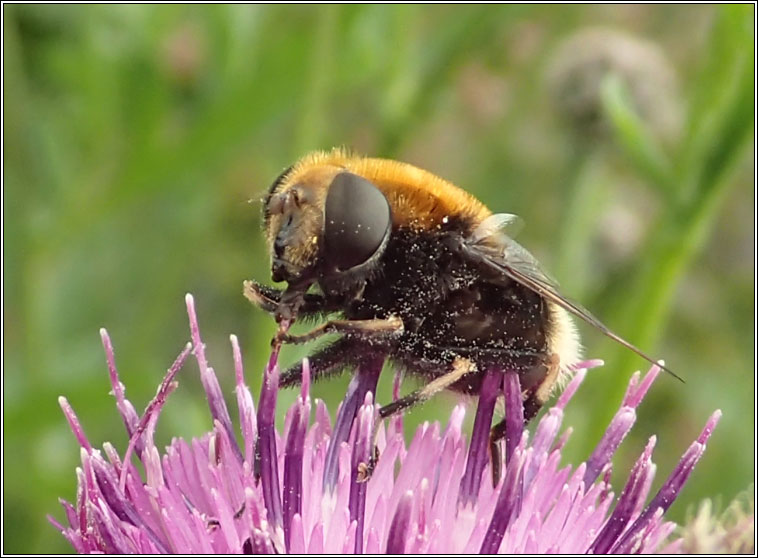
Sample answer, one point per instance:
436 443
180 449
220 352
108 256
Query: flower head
298 491
730 532
586 58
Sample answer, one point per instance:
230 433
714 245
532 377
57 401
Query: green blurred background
136 136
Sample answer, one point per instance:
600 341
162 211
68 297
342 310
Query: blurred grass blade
731 38
682 231
634 138
732 128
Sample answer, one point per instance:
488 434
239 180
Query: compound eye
357 220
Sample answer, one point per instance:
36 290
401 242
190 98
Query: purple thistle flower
298 491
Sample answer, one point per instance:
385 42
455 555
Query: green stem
583 198
673 247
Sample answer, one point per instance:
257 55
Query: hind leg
329 361
534 398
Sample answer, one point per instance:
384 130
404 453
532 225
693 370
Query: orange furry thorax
418 198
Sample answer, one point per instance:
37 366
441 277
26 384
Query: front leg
459 368
269 299
364 329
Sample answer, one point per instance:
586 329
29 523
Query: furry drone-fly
416 270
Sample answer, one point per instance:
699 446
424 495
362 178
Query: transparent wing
492 247
499 223
494 237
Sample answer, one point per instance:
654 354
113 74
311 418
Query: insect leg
497 433
534 398
269 298
538 395
367 329
328 361
460 367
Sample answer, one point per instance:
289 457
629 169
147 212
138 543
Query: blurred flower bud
624 222
581 63
484 94
732 532
184 53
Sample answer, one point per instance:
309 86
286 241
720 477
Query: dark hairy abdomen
448 311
